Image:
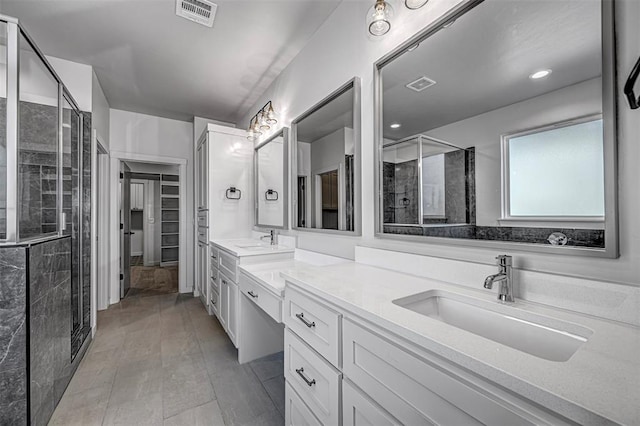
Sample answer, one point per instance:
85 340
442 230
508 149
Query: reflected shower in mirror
271 169
326 152
500 125
429 182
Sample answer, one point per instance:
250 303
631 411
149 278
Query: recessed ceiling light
395 126
540 74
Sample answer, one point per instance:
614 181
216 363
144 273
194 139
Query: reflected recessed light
539 74
395 125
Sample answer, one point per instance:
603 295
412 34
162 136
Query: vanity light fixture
539 74
379 18
395 125
262 121
415 4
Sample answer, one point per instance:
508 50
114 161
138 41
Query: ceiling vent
200 11
420 84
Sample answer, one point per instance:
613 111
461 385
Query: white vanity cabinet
348 371
228 256
223 159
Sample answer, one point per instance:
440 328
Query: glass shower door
72 213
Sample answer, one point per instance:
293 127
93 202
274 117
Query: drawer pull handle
252 294
305 321
300 372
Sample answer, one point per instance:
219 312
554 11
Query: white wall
77 78
135 133
341 49
99 112
484 131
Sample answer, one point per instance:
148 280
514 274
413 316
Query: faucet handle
504 260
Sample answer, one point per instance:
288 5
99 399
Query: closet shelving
170 196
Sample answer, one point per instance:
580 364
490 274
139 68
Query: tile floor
163 360
151 280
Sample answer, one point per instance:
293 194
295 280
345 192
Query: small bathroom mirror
495 127
326 163
270 160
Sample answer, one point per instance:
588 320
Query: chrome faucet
273 236
504 277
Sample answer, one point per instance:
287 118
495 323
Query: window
555 172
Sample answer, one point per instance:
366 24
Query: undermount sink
251 245
536 335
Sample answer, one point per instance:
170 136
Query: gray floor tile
269 366
146 410
205 415
165 360
275 390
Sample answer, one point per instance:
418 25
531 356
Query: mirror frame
284 132
609 115
355 84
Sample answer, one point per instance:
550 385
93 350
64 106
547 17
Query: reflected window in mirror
497 125
555 172
271 170
326 154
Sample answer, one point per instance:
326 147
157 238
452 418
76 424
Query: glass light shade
271 115
379 18
262 118
256 128
415 4
250 134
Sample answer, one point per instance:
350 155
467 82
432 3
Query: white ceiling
335 115
151 61
484 60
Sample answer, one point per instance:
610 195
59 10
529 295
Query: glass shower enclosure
41 161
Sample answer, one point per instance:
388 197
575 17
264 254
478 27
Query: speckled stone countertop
250 247
599 384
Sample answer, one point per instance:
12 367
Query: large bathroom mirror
495 126
326 163
271 170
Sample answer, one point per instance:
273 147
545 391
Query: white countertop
269 274
600 382
250 247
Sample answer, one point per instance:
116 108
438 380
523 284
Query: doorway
150 229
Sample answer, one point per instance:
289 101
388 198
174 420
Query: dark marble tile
13 397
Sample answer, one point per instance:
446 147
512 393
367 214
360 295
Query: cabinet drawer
214 279
214 300
418 388
203 218
228 265
296 412
203 234
266 300
215 255
315 323
315 380
358 409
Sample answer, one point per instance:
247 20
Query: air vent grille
420 84
200 11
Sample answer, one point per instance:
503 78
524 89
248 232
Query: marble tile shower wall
37 169
13 338
50 326
401 192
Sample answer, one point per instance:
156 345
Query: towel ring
271 195
233 190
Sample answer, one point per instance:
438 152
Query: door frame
114 229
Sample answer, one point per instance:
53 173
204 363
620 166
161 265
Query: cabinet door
358 410
224 302
232 322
